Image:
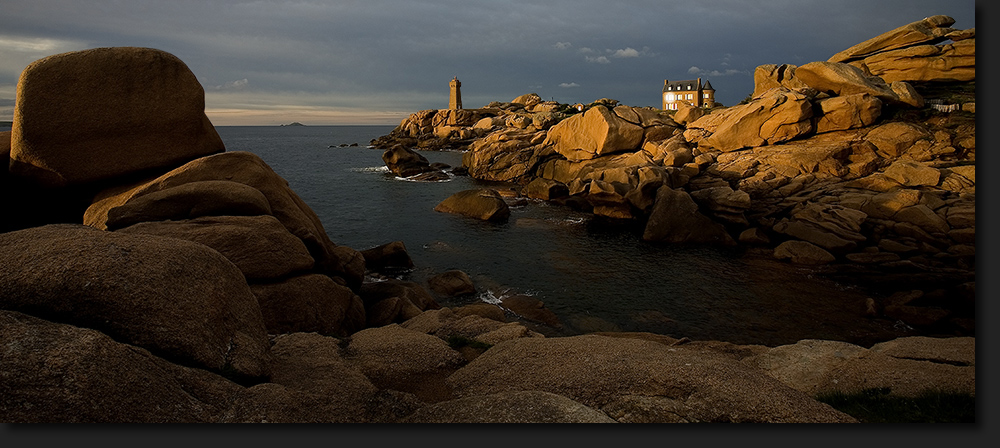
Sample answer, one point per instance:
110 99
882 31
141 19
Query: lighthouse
455 101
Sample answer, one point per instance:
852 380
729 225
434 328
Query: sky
349 62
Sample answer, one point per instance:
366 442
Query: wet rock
387 257
545 189
530 308
405 162
675 219
482 204
451 284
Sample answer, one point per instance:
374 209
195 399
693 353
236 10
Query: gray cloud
392 57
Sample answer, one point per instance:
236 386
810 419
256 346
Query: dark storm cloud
396 57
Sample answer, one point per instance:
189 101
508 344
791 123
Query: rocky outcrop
818 367
776 116
675 219
595 133
910 53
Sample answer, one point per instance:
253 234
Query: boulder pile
845 165
179 282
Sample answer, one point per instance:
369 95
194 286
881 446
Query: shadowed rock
509 407
631 379
99 114
191 200
249 169
58 373
180 300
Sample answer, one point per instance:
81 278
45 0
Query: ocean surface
593 276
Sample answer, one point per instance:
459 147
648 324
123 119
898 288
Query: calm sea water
594 278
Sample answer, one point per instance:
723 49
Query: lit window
690 96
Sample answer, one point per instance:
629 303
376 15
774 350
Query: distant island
293 124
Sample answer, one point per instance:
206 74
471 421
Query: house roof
686 85
707 86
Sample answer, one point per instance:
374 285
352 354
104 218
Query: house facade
690 91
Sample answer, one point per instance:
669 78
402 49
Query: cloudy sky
376 61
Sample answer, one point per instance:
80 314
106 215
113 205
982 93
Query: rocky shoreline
826 165
165 279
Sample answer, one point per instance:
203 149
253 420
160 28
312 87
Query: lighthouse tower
455 101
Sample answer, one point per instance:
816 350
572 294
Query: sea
593 275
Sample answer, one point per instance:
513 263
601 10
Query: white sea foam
411 179
371 169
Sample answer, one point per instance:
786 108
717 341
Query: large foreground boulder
180 300
250 170
99 114
634 380
906 366
58 373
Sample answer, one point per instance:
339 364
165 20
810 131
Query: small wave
414 179
495 298
371 169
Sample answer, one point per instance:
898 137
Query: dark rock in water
387 257
484 204
394 301
451 284
675 219
295 123
545 189
532 309
405 162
